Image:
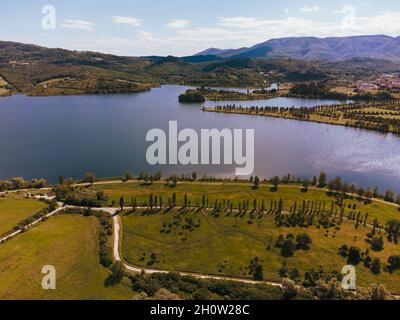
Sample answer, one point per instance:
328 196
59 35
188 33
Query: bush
354 257
80 197
303 241
394 263
344 251
192 288
289 289
258 273
376 266
288 248
377 243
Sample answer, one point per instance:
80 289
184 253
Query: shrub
394 263
303 241
288 248
376 266
354 257
377 243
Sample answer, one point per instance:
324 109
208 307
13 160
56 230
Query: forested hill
37 70
312 48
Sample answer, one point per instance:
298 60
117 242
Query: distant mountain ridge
313 48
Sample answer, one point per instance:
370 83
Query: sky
185 27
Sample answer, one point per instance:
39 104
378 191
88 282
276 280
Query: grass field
239 192
225 245
13 211
70 244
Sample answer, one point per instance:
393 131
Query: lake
105 134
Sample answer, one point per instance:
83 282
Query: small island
192 96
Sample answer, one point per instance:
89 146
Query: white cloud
78 24
310 9
178 23
235 32
127 20
347 9
286 10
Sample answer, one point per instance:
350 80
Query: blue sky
178 27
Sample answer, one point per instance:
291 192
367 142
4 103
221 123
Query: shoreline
290 117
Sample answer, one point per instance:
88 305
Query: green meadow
14 210
224 244
70 244
237 192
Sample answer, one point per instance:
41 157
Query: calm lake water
52 136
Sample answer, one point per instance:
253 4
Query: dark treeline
321 90
19 183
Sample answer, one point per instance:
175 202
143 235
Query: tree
375 193
118 272
353 188
258 274
133 204
377 243
122 203
306 185
256 182
61 180
379 293
295 275
376 266
288 248
354 257
303 241
153 259
289 289
90 178
375 225
322 181
361 192
394 263
389 195
275 182
314 181
336 184
128 176
344 251
174 199
18 183
88 212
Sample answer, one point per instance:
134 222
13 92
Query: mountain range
311 48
